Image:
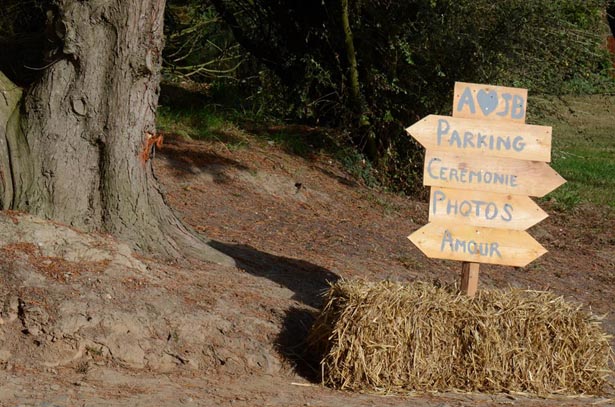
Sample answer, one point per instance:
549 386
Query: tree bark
84 128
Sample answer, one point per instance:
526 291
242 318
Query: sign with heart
489 102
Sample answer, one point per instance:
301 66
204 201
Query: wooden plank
490 138
469 278
477 244
487 209
489 174
474 101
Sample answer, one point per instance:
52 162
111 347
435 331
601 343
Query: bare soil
85 322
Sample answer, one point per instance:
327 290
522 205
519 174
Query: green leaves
409 53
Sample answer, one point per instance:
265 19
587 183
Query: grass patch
357 166
200 124
291 142
300 140
211 125
584 150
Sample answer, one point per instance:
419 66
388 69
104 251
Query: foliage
199 46
409 55
357 166
558 42
26 49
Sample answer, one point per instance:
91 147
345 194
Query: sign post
469 278
482 164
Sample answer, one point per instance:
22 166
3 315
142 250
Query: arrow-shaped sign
501 175
517 212
477 244
492 138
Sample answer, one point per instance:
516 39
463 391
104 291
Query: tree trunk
356 99
79 156
351 56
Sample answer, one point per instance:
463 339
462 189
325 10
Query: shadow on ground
308 281
292 343
191 160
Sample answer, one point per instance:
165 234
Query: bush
409 55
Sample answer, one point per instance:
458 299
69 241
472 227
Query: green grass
357 166
200 124
290 142
207 124
584 150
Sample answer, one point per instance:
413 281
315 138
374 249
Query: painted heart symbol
488 101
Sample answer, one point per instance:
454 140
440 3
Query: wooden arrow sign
477 244
500 175
492 138
456 206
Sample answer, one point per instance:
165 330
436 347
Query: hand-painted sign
456 206
477 244
489 102
496 139
482 164
503 175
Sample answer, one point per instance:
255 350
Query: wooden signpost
482 165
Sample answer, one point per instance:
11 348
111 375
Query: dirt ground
87 323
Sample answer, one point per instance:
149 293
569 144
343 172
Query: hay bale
386 337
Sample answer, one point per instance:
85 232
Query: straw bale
385 336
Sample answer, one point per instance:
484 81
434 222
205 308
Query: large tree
75 148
